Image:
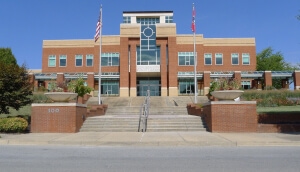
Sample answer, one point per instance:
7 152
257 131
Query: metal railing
144 113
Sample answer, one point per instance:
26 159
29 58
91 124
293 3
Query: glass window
51 61
169 19
219 58
62 60
126 19
78 60
110 87
110 59
246 84
185 58
207 59
148 57
246 58
89 60
186 87
235 58
146 21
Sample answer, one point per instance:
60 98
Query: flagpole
100 52
195 56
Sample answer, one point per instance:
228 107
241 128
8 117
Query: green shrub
39 97
13 125
272 98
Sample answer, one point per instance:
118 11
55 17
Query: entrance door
152 84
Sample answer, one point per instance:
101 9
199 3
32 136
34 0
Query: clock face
148 32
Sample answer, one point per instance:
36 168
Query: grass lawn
25 110
279 109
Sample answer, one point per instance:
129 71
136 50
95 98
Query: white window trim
86 58
237 58
210 59
59 60
81 60
248 58
216 59
54 60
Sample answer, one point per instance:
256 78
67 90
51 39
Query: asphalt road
106 158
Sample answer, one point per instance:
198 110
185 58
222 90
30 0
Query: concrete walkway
152 139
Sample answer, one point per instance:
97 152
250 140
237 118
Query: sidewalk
152 139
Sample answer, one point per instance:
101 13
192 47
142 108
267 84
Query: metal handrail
144 113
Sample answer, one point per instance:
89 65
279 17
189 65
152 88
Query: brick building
150 55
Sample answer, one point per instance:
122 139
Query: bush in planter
78 86
224 84
13 125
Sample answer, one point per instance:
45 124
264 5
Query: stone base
230 116
57 117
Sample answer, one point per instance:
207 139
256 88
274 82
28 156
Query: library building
148 54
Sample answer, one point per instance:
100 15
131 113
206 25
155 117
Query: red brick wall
56 119
173 62
124 59
296 76
278 128
276 118
268 78
231 117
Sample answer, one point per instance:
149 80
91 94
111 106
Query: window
246 84
148 57
235 58
78 60
186 86
51 61
146 21
207 59
89 60
110 59
219 59
110 87
169 19
246 58
126 19
63 60
185 58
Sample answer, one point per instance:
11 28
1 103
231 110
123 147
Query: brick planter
230 116
57 117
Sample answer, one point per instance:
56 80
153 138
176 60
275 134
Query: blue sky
26 23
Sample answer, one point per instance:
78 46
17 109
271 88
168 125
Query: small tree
78 86
15 88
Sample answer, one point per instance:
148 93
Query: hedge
13 125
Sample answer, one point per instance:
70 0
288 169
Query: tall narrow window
78 60
63 60
234 58
89 60
219 58
51 61
246 58
207 59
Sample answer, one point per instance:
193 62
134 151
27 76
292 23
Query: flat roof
125 12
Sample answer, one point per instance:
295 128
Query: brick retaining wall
57 117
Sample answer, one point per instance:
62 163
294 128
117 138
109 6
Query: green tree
6 56
15 88
267 60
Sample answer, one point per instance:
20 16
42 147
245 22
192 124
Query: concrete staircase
166 114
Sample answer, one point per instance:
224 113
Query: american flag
98 26
193 27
